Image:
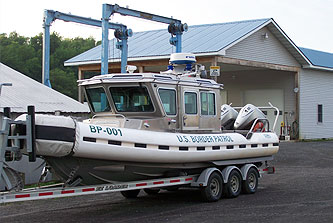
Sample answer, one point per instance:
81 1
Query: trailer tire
130 193
213 191
250 185
151 191
234 185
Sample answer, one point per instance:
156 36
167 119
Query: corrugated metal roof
26 91
198 39
204 39
318 58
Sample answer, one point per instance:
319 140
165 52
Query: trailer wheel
151 191
130 193
213 190
233 187
250 185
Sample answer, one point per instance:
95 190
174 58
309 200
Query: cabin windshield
131 99
98 99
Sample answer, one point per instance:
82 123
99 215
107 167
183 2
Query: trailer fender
204 176
226 172
246 168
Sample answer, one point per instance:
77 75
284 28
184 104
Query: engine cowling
247 115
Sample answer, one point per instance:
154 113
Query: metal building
26 91
259 63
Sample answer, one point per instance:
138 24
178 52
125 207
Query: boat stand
10 148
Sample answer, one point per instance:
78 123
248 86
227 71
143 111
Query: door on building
261 97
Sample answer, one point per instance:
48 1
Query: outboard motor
247 115
228 117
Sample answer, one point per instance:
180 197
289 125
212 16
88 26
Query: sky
308 23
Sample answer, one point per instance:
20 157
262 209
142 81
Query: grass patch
41 184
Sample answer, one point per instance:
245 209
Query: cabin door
190 108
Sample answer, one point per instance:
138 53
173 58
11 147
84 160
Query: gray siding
256 48
316 87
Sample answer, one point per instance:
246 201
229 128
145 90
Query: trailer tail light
269 170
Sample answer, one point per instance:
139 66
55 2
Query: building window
320 113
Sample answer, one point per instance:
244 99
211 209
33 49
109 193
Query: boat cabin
157 102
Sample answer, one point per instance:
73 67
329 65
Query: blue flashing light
170 67
188 66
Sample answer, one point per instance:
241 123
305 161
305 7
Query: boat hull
101 153
92 171
122 144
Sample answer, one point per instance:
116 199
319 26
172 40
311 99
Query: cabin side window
190 101
168 98
98 100
207 100
131 99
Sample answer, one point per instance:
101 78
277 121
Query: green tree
24 54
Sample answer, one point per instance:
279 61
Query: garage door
261 98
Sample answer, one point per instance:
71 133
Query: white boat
148 125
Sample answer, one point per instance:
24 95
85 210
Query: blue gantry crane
175 28
50 16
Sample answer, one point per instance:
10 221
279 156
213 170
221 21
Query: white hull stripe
180 148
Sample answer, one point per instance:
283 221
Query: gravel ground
301 190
